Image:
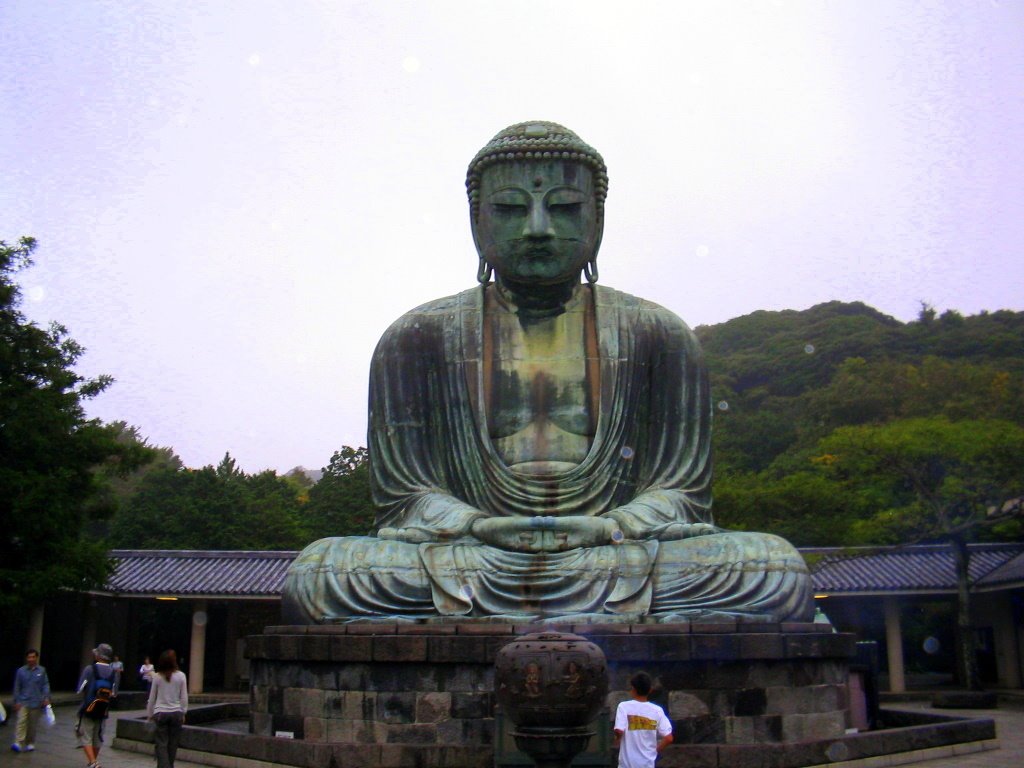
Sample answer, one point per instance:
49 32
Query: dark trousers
168 732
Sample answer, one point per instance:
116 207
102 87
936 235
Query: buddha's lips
537 252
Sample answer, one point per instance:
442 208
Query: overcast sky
234 199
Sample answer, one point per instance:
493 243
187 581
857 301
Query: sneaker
30 748
15 748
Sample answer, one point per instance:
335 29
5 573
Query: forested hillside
790 386
815 413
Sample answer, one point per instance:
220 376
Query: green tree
49 451
118 486
789 378
340 504
806 507
300 479
864 393
218 507
932 479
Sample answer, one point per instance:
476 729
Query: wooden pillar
197 648
894 645
88 632
35 630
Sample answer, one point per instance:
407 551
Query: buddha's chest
539 412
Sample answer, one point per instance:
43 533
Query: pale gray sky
234 199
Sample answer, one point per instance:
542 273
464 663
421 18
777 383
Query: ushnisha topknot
536 140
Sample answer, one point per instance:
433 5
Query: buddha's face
538 220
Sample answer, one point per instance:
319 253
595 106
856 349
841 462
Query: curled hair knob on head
536 140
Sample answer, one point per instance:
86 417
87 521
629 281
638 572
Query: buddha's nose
538 223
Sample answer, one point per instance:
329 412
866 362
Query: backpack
97 700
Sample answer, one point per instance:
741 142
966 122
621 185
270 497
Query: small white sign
285 734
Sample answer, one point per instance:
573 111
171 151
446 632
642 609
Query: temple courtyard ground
56 746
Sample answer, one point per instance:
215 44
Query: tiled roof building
194 573
147 603
918 569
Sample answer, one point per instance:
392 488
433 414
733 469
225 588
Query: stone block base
430 686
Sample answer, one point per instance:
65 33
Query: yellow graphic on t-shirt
641 723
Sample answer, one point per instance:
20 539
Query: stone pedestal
403 694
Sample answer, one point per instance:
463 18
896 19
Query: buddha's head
536 198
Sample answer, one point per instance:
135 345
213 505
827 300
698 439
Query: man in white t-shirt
641 728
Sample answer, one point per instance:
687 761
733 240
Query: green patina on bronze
540 445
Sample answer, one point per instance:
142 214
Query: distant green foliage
805 507
792 379
117 485
222 507
792 382
49 451
340 503
927 478
210 508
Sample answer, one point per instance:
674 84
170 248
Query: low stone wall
919 738
430 686
913 736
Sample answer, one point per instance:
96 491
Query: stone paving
55 747
1009 719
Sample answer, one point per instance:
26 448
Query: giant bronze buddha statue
540 445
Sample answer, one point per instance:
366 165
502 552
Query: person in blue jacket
31 696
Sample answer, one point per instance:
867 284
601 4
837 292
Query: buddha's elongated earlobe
590 268
483 272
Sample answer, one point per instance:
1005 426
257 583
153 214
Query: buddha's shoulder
435 314
640 312
446 305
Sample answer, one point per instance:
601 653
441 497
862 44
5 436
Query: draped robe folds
434 471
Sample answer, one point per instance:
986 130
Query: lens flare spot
723 405
837 752
809 349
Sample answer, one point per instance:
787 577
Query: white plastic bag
48 715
